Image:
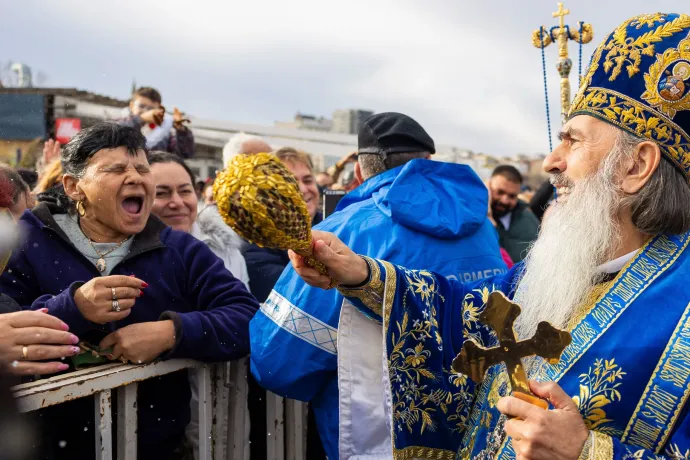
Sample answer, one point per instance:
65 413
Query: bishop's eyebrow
570 133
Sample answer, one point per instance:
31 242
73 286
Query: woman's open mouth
133 205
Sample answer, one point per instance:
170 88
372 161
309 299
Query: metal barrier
223 418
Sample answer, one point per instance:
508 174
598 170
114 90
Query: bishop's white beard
576 237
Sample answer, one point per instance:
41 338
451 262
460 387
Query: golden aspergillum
259 198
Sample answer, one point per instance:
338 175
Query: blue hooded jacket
424 215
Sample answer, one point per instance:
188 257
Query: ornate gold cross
500 314
544 36
561 14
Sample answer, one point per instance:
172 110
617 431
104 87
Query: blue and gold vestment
628 367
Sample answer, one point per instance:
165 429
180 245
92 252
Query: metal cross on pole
500 314
560 34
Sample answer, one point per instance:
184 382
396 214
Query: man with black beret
408 209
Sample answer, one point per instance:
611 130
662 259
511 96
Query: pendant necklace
100 263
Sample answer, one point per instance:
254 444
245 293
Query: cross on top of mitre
500 314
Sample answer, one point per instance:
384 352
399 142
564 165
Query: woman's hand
108 298
141 342
344 266
27 336
51 151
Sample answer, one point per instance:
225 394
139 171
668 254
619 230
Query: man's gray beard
577 236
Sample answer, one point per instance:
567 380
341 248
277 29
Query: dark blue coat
211 309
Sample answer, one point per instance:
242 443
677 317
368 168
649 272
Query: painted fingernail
75 350
141 293
64 327
43 310
131 276
62 367
74 339
144 284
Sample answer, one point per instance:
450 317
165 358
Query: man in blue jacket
408 210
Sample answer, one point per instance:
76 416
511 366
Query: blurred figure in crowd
324 180
199 190
244 144
208 194
51 152
336 170
29 176
161 130
51 177
106 245
17 434
22 199
516 225
541 199
49 187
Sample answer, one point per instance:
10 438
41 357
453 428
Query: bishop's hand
558 434
344 266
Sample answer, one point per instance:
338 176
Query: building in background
308 123
348 121
29 116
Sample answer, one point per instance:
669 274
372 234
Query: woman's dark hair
106 135
158 156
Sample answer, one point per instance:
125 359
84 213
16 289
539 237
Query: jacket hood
213 226
446 200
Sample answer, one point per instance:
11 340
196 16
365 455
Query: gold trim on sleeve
371 294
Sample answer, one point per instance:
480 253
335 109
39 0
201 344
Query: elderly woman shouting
119 278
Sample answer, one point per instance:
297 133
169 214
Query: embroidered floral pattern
624 50
648 20
673 452
598 389
472 306
419 402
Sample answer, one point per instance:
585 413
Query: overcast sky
466 70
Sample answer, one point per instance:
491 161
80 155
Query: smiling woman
123 281
176 206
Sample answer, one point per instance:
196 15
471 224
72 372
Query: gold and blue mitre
639 80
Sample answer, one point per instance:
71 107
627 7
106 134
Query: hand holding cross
500 314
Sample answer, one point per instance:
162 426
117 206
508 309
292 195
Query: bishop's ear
72 189
645 161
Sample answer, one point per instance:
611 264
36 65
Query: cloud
466 70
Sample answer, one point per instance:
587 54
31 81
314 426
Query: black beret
390 132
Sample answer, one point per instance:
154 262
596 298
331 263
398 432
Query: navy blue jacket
210 308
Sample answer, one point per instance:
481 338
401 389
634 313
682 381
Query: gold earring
80 208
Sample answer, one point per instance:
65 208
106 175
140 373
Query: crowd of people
142 266
117 248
